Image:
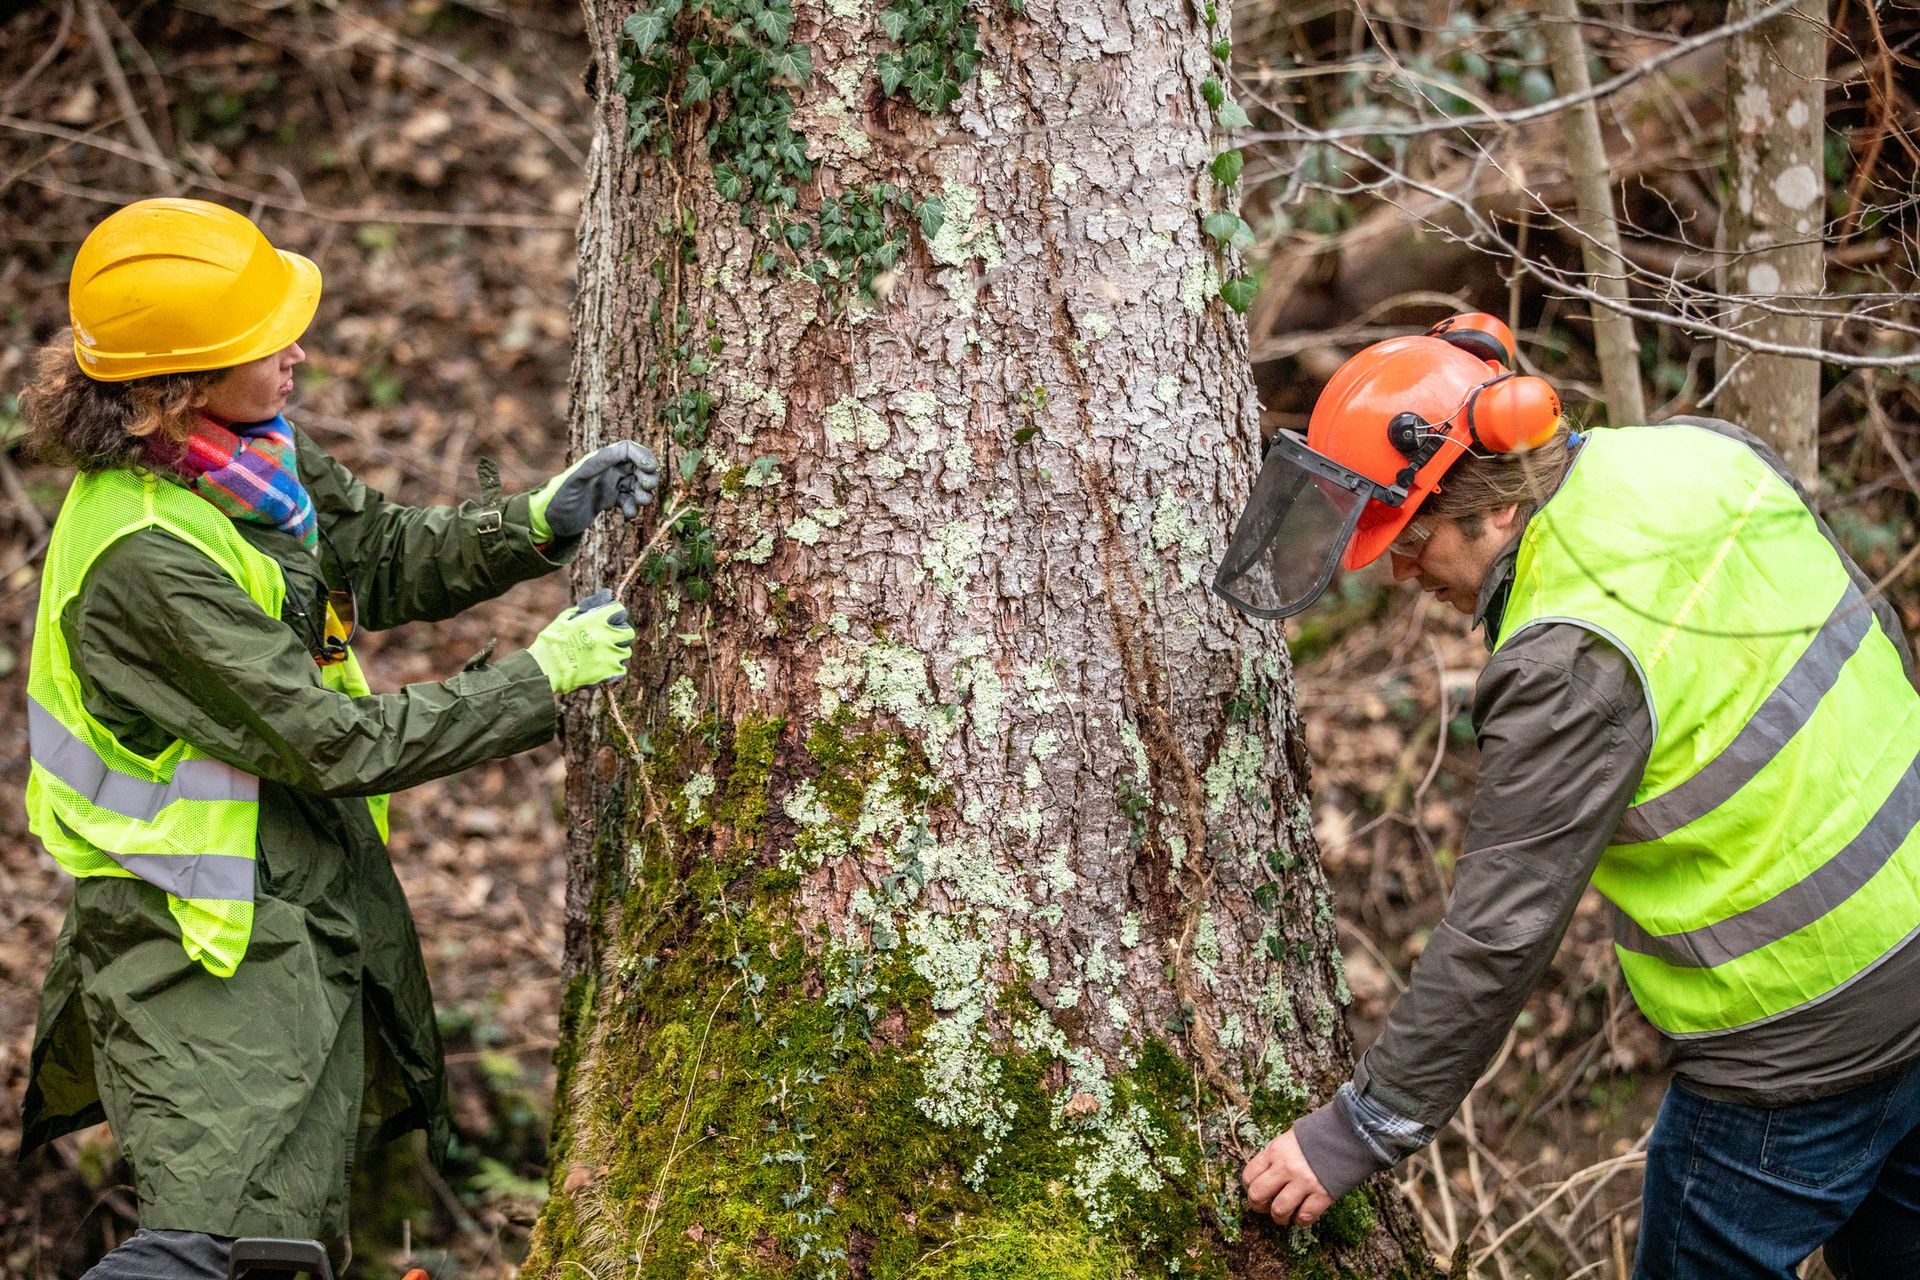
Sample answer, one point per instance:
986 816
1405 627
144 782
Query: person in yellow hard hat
238 989
1697 702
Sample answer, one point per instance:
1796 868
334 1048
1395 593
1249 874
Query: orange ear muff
1513 414
1478 334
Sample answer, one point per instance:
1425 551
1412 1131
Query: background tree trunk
1773 227
1592 180
945 897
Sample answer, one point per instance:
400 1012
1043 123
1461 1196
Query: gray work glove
622 475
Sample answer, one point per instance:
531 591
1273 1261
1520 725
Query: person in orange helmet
1697 702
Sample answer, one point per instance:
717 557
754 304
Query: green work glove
588 644
621 475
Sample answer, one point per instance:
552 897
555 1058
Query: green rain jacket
239 1103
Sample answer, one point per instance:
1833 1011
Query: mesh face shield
1293 529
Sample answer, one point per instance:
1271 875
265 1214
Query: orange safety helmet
1386 428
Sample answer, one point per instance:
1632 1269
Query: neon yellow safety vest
1771 854
180 820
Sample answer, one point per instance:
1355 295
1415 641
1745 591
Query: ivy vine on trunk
943 895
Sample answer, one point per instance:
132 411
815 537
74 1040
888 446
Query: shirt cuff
1339 1156
534 558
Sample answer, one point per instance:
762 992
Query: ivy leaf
775 24
728 183
792 155
921 87
891 72
1023 435
1219 226
1213 91
1238 293
1228 229
1222 49
797 234
1226 167
794 64
699 87
1232 115
647 27
894 23
933 216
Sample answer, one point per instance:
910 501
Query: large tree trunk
1774 226
946 901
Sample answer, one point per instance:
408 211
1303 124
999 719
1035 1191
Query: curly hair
77 421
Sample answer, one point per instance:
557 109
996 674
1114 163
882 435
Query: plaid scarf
248 470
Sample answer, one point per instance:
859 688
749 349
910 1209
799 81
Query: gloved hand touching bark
622 475
590 643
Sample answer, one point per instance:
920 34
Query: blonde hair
1477 485
76 421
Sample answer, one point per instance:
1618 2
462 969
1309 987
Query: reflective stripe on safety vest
1772 851
181 821
56 748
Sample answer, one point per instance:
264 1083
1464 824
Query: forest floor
429 155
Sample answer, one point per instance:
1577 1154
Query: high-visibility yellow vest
180 820
1771 854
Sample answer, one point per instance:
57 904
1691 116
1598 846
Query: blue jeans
1747 1193
165 1255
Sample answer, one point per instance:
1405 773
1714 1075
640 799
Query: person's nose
293 355
1402 567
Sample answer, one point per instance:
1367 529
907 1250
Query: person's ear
1501 520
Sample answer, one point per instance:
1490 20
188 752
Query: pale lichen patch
1198 283
1206 949
695 793
1236 771
849 421
683 701
963 237
1171 529
1114 1159
949 559
1039 688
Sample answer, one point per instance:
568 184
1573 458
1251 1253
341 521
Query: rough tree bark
945 898
1772 234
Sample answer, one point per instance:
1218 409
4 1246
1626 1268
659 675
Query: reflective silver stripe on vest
193 875
1796 906
59 751
1785 711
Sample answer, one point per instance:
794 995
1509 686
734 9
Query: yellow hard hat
173 286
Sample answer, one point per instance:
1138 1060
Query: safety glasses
1293 529
1411 542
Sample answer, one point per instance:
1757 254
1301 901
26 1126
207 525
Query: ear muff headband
1479 335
